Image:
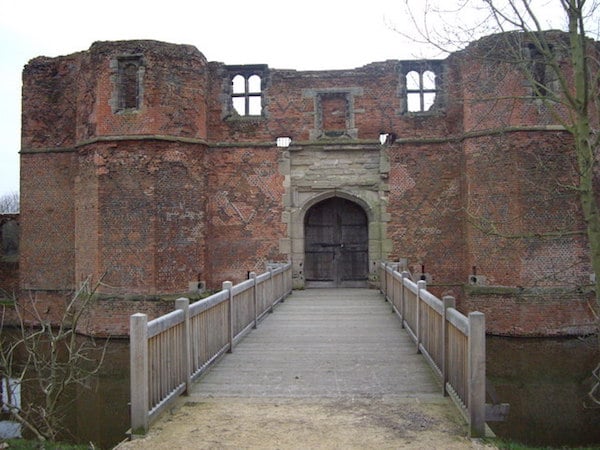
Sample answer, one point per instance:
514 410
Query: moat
545 381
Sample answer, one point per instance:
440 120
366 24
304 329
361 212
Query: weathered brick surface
173 96
244 212
542 313
525 196
110 317
427 223
143 226
182 189
50 82
47 220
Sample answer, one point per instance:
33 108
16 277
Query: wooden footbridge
324 343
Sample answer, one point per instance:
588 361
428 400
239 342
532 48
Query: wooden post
138 355
186 355
405 275
290 275
227 286
383 280
421 286
449 302
254 299
476 371
394 295
272 283
281 293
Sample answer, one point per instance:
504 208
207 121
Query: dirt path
234 423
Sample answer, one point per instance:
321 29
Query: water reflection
546 383
11 395
96 412
10 429
100 413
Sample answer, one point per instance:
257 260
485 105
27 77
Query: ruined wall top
159 90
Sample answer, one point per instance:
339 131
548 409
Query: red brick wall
50 102
493 90
183 190
151 226
47 222
110 317
427 223
173 98
87 232
103 318
528 313
244 212
526 223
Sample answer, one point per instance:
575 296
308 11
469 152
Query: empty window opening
538 74
387 138
284 141
254 84
239 84
421 90
129 83
246 94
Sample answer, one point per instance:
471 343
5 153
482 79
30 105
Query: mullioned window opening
421 86
247 86
421 90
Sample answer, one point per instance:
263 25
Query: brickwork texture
157 185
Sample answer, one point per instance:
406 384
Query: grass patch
23 444
510 445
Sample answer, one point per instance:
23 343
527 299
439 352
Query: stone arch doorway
336 244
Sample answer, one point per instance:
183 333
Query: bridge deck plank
324 343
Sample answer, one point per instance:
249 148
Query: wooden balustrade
453 345
169 352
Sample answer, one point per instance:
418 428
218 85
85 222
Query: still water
98 411
101 411
544 380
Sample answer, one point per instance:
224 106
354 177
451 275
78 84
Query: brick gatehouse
144 161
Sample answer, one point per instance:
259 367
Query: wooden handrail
440 332
169 352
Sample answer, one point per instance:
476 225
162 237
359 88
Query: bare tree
47 361
9 203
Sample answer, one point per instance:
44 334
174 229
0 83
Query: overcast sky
301 34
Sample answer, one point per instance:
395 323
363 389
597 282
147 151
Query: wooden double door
336 238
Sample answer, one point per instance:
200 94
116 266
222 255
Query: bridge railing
171 351
453 344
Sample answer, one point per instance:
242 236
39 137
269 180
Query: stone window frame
317 95
421 67
123 101
248 95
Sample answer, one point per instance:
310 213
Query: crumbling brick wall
139 170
